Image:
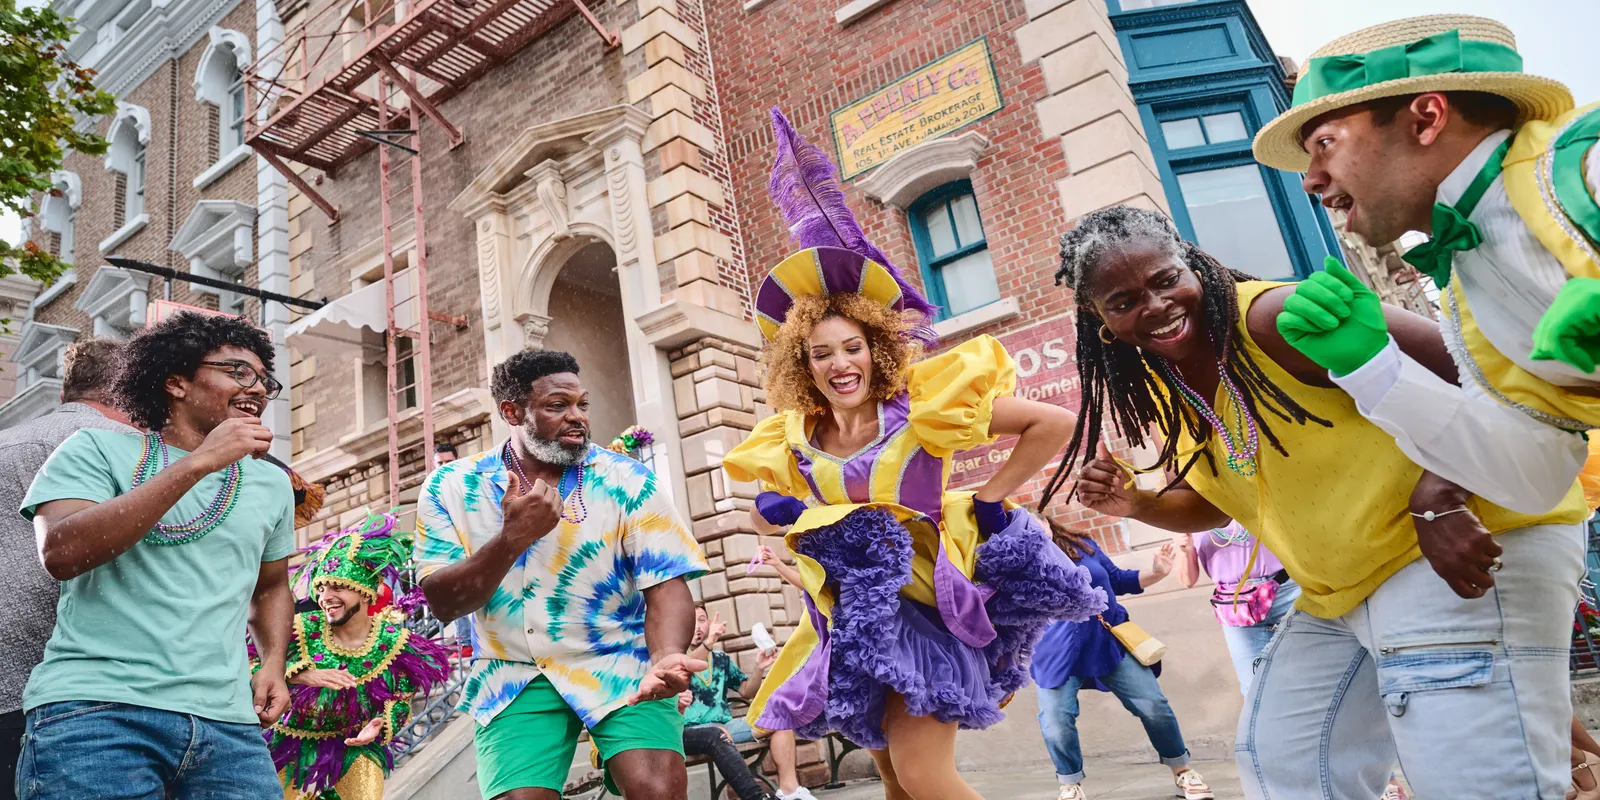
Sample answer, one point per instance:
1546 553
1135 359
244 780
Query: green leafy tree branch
45 93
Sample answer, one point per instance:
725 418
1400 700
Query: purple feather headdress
362 555
805 186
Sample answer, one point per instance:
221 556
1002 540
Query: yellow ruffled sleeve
765 456
952 394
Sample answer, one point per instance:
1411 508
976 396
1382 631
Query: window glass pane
940 235
1227 127
133 204
1234 221
969 282
1181 133
969 229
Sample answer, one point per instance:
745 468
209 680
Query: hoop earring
1106 337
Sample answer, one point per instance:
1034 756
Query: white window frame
219 81
129 135
58 213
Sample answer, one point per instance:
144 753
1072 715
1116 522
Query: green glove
1570 330
1334 319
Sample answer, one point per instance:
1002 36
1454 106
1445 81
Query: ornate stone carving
551 190
534 328
488 271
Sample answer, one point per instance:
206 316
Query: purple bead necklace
1242 443
510 454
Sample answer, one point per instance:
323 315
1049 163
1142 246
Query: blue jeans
1245 644
1472 695
89 750
1135 685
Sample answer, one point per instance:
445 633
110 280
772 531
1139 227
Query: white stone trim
132 227
1004 308
223 166
119 158
856 9
62 284
115 299
124 60
751 5
73 184
207 91
31 403
912 172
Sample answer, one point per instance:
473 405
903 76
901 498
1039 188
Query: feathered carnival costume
905 591
307 745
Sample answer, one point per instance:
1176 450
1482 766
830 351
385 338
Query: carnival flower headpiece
633 439
836 256
359 557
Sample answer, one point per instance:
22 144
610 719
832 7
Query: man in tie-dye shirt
574 566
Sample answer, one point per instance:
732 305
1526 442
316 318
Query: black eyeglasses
246 376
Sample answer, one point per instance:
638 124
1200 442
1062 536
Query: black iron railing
1586 625
430 714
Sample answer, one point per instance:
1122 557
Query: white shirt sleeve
1464 436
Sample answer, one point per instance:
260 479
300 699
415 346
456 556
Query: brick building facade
177 188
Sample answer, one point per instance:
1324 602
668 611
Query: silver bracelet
1430 516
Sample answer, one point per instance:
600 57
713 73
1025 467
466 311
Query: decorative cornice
902 179
676 323
512 162
165 31
220 38
30 403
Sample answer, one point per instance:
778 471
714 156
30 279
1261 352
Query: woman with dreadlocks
923 605
1472 685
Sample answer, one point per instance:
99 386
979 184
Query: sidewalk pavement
1107 781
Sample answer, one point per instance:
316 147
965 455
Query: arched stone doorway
585 319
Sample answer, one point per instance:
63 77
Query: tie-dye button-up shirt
572 607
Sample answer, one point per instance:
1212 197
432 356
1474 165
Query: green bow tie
1452 233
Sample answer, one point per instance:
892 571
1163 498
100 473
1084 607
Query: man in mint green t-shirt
166 544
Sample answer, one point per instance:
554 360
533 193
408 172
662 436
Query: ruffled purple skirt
879 641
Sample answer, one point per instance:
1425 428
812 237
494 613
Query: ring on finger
1495 565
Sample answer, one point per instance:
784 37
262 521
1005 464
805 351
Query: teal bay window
952 250
1224 201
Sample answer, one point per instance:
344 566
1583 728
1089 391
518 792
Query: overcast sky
1550 35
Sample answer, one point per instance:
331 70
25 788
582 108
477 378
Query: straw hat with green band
1439 53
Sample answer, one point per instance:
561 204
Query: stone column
1089 107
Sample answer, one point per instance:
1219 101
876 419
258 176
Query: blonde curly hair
787 377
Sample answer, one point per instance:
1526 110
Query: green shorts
531 743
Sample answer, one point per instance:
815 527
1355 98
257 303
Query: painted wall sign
1046 372
946 95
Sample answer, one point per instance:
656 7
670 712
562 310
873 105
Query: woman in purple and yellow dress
923 605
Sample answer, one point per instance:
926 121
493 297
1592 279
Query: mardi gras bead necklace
1242 443
1231 535
208 520
511 458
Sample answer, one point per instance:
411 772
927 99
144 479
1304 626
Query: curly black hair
1134 386
176 346
514 377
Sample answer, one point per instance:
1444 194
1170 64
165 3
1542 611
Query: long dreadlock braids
1130 381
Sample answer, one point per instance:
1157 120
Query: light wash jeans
89 750
1471 695
1245 644
1135 685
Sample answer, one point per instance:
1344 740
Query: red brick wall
792 54
566 72
178 151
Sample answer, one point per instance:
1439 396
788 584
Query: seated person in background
708 719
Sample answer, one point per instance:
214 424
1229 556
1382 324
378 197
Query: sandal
1590 762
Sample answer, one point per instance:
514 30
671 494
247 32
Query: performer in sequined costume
351 674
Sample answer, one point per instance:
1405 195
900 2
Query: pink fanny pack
1249 607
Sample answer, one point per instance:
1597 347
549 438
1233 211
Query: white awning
345 326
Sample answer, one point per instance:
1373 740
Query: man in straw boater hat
1429 124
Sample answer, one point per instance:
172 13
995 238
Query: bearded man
574 566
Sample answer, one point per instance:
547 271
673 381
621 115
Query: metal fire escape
358 75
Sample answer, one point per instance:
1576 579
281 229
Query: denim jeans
1135 685
1471 695
89 750
1245 644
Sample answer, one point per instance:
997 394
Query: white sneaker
1072 792
1193 787
1393 792
801 793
